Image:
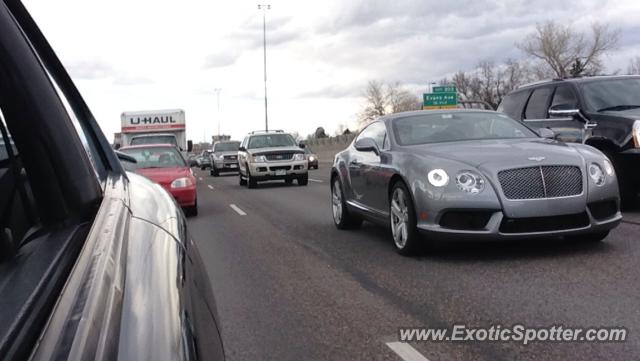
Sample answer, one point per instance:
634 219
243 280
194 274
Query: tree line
552 50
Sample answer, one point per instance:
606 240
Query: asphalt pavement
290 286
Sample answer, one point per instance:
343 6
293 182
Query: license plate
233 166
281 172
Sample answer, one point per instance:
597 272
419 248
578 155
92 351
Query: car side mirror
367 145
189 145
301 145
563 111
116 146
125 157
546 133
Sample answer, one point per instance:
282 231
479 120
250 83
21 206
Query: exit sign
444 89
440 100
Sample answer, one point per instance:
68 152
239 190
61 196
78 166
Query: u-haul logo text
168 119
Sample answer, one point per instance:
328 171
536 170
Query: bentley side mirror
563 111
546 133
367 145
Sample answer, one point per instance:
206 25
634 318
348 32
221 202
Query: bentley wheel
342 218
403 220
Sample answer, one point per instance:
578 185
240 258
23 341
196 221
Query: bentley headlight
181 183
259 159
438 178
298 156
470 182
596 173
608 167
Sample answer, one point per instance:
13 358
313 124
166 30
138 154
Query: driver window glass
537 105
376 131
564 96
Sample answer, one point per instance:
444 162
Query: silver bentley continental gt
470 174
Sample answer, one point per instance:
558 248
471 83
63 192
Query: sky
127 55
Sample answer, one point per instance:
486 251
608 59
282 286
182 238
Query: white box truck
154 127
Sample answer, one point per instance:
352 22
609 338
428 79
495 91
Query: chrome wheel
399 218
336 202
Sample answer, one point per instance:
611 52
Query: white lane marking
406 352
315 180
210 186
237 209
200 178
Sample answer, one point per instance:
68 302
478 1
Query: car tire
251 181
214 172
242 182
342 218
288 181
402 214
589 237
193 210
628 191
303 180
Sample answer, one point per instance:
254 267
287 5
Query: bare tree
634 66
566 52
381 99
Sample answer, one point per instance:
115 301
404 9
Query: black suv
600 111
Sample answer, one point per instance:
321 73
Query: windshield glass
612 94
154 157
451 127
226 147
155 139
271 140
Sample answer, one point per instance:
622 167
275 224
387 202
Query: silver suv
271 155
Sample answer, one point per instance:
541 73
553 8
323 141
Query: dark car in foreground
471 174
224 157
163 164
601 111
95 263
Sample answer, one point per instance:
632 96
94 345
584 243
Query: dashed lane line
237 209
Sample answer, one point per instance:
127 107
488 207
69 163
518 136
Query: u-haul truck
155 127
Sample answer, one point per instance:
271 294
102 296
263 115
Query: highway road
290 286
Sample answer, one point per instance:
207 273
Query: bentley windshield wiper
619 107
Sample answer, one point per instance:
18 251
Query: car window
537 105
612 94
270 141
5 143
154 139
154 157
564 95
451 127
513 104
377 131
226 147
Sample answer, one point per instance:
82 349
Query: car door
375 172
356 167
536 113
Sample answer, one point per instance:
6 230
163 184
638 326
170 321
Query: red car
163 164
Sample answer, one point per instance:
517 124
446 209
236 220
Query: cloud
221 58
90 69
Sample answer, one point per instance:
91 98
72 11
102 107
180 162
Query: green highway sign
444 89
440 100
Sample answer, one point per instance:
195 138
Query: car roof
154 135
586 79
159 145
432 111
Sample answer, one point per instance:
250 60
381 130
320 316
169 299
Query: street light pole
264 8
217 91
